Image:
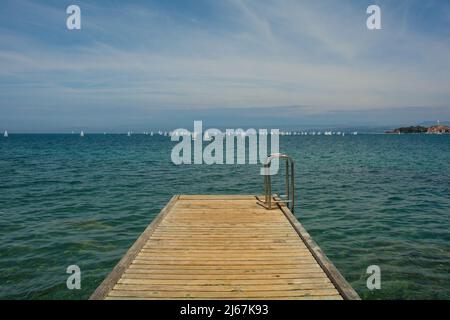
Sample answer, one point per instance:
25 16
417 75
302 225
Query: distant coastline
436 129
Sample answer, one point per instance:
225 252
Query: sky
151 64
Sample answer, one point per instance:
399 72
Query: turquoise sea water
366 199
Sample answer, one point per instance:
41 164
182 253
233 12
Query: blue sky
144 64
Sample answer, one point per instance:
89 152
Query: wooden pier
224 247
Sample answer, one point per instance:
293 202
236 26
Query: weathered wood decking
224 247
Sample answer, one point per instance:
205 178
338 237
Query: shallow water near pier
366 200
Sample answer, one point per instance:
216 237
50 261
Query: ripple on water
366 200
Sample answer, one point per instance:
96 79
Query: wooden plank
215 281
223 242
227 274
327 297
228 263
212 251
151 253
224 248
261 271
220 247
223 225
222 295
219 288
216 197
237 269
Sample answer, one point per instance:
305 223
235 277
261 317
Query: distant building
439 129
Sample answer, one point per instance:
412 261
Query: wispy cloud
144 58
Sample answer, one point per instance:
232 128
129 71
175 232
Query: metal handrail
289 183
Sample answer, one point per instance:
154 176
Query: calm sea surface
366 200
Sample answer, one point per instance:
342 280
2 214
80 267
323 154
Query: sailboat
82 134
6 134
207 137
129 134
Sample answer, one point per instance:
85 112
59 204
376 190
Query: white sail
6 134
82 134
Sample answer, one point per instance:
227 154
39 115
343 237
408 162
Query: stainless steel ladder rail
289 183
